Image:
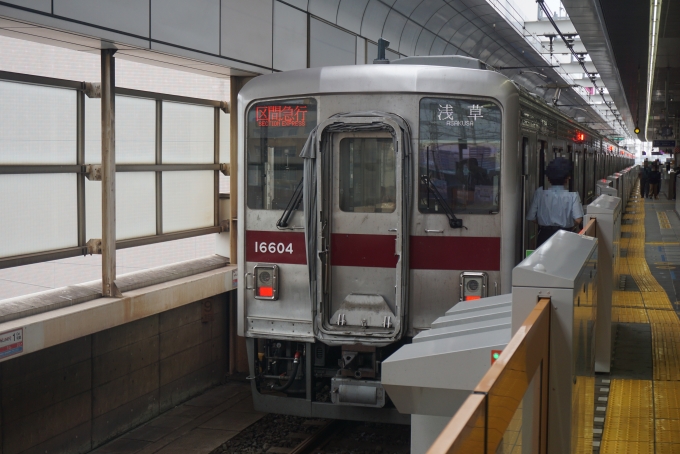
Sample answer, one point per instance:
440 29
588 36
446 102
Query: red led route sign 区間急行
277 115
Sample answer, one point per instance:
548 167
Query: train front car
371 200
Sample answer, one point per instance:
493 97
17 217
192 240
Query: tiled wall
75 396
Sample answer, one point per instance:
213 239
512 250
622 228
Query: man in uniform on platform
555 208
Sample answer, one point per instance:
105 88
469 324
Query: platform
198 426
641 397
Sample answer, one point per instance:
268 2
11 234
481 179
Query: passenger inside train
555 208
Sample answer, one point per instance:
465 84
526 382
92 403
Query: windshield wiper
454 222
292 205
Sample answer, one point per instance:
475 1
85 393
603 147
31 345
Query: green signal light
496 355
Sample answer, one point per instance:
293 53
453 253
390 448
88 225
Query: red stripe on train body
373 251
455 253
377 251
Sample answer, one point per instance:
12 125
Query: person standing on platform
644 179
555 208
654 182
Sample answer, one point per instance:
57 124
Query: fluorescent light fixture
654 16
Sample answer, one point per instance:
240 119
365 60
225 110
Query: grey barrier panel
607 211
564 269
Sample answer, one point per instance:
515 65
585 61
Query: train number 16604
273 248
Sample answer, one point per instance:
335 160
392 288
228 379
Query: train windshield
459 151
277 131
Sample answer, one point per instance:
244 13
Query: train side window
368 181
541 165
525 155
459 151
277 131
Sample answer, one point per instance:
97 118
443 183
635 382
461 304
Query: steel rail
318 439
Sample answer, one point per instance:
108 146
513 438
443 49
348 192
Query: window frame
247 139
364 136
501 150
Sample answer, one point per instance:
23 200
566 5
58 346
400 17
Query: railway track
280 434
311 442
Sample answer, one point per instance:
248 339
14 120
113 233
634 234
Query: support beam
108 68
159 161
236 344
80 160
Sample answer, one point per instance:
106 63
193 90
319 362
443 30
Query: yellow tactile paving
666 351
627 299
629 424
643 416
584 391
629 315
664 223
626 447
663 316
667 448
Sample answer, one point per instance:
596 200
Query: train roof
392 78
448 77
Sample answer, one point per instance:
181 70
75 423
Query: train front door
363 196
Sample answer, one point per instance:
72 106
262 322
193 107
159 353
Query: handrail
480 423
589 229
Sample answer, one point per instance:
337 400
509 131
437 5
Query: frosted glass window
135 206
37 124
225 138
188 201
188 134
39 213
135 130
93 131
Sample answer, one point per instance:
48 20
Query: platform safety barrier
516 386
508 408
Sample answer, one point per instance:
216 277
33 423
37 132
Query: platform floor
195 427
640 399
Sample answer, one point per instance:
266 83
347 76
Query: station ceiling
614 33
627 25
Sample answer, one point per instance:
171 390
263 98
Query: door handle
433 231
391 230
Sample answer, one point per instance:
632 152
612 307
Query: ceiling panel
425 10
350 14
374 19
407 44
424 43
394 26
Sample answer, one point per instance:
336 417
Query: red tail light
266 291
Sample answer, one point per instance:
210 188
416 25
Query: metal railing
509 405
84 171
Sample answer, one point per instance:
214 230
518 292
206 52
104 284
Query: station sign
11 342
663 143
281 115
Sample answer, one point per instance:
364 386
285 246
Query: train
373 198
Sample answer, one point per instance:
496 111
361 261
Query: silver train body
411 197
